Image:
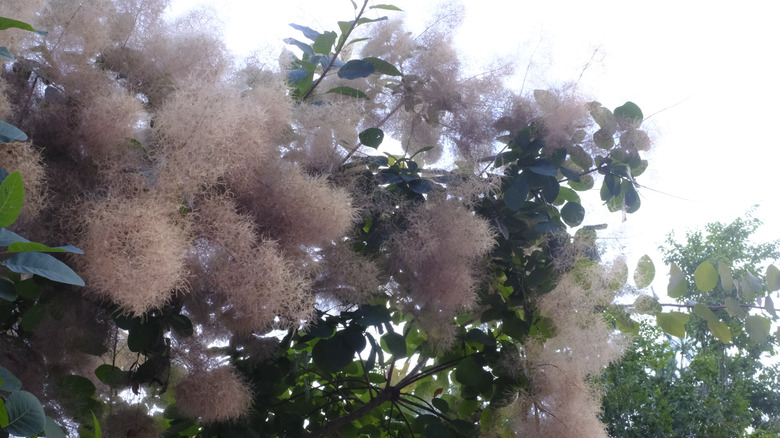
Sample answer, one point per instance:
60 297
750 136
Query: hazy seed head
215 395
134 251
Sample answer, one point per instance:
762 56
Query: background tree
700 386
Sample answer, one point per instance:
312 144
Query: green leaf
25 414
441 405
331 355
516 194
44 265
383 67
673 323
324 43
355 69
395 344
573 214
644 273
96 426
11 198
704 312
348 91
648 305
32 317
3 415
7 23
586 183
307 31
387 7
9 382
629 115
751 286
733 308
305 48
769 305
9 133
39 247
372 137
7 290
678 284
726 280
567 195
53 430
6 54
705 276
772 278
581 157
469 372
757 328
112 376
720 330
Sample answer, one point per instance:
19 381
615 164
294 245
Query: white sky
716 152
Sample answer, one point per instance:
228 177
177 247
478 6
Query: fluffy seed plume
259 285
214 395
438 255
563 402
297 210
124 238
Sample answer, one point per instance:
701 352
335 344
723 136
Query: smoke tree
255 266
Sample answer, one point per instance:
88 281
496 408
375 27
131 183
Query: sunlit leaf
324 43
629 115
349 91
11 198
757 328
705 276
704 312
386 7
733 308
772 278
720 330
726 280
645 304
573 214
644 273
678 284
673 323
769 305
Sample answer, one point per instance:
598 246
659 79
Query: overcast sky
708 69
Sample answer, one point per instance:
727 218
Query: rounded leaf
629 115
706 277
573 214
25 414
11 198
726 280
734 308
772 278
757 328
645 272
355 69
673 323
372 137
720 330
678 285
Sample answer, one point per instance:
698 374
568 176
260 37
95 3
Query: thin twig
335 53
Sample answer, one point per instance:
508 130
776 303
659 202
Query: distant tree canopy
700 386
257 262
